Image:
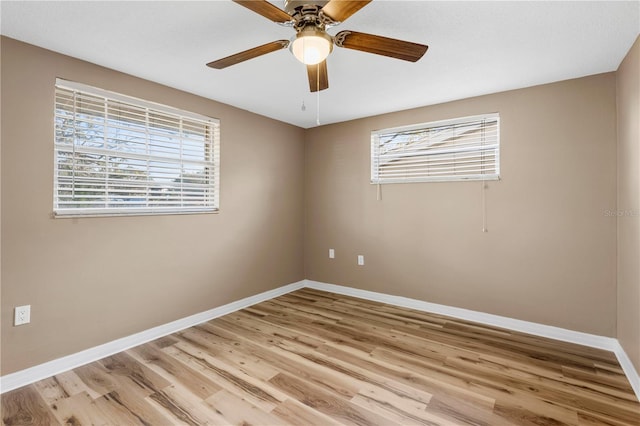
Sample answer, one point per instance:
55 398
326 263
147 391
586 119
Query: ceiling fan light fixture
311 46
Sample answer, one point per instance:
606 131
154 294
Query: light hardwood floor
316 358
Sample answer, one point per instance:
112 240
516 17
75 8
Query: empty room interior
320 213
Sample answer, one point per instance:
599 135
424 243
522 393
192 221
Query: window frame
375 146
210 165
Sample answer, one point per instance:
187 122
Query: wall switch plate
332 254
360 260
22 315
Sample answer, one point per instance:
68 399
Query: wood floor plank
299 365
177 410
335 407
97 378
173 370
123 366
293 412
400 409
406 376
26 407
315 358
590 419
72 384
238 411
517 414
612 384
79 409
464 412
296 358
184 407
200 337
50 390
134 400
229 378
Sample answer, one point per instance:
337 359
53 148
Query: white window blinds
120 155
461 149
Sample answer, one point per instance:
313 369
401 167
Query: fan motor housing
290 6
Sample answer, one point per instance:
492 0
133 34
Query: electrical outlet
332 254
360 260
22 315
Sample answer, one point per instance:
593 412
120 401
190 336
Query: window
117 155
460 149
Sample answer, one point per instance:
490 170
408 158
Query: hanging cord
318 94
484 207
379 192
484 183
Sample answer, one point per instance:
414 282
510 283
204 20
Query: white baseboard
51 368
629 369
557 333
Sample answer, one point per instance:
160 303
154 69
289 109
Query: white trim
628 368
557 333
51 368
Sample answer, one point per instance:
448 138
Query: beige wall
550 253
90 281
628 91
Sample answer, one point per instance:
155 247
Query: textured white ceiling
475 48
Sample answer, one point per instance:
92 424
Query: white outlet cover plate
22 315
332 254
360 260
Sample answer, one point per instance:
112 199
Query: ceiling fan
311 45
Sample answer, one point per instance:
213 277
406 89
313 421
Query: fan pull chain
318 94
484 207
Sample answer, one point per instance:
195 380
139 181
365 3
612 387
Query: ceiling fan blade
266 9
248 54
379 45
340 10
318 77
